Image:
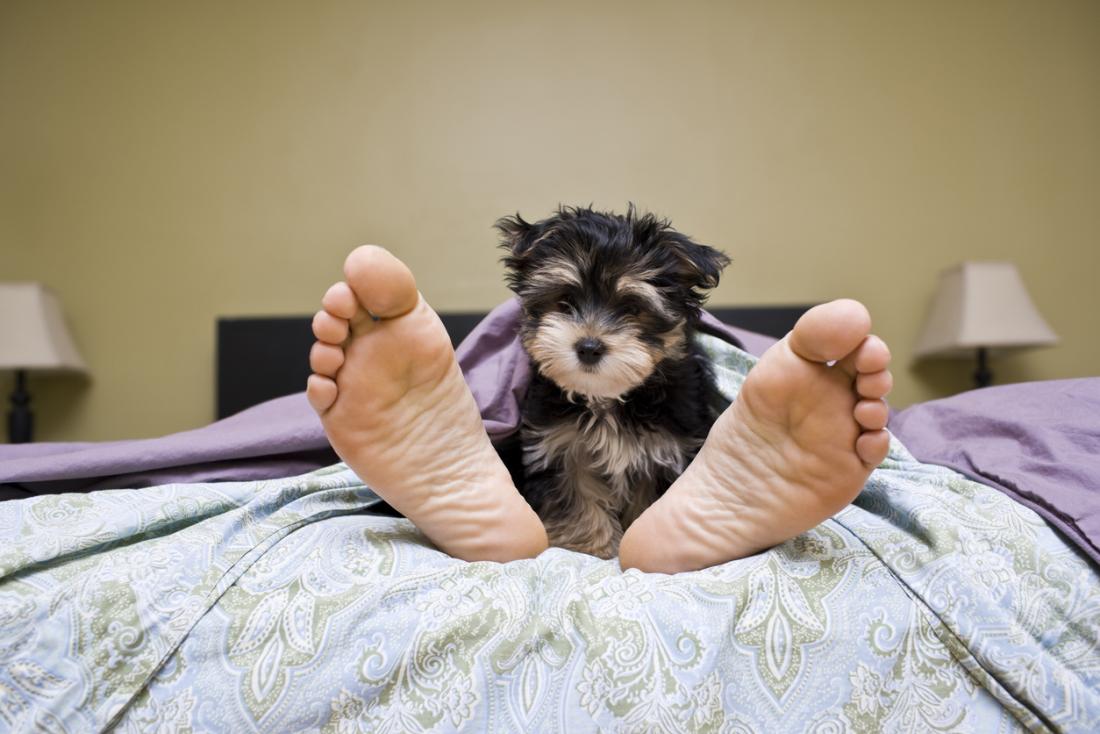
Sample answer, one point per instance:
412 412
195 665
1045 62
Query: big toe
831 331
383 284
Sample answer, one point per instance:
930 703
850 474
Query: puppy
621 398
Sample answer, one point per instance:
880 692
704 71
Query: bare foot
395 407
793 449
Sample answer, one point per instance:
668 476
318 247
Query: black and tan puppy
621 398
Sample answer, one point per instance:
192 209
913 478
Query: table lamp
33 336
982 306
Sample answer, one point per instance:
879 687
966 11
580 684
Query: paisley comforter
933 603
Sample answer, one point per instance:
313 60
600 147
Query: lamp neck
20 421
20 396
983 377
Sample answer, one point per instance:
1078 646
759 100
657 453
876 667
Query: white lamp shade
33 335
982 304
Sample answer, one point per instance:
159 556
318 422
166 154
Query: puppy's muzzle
590 351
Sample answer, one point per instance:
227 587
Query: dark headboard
265 357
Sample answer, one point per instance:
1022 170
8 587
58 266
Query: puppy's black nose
590 350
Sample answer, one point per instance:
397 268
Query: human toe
872 447
831 331
329 329
325 359
321 392
340 301
382 284
875 384
872 415
872 355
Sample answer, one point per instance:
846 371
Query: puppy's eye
565 306
631 309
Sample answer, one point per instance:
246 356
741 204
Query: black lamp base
20 420
983 376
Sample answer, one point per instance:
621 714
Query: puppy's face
605 297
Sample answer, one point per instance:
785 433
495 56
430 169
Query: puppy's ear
693 265
700 266
517 236
517 239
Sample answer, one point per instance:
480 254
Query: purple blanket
1037 442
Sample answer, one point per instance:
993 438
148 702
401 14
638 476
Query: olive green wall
165 163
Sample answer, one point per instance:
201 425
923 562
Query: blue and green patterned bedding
931 604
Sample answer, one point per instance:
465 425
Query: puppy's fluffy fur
621 398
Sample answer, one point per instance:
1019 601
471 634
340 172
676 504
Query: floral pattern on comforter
931 604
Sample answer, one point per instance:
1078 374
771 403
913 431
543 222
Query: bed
245 582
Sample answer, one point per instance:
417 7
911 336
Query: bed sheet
933 603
